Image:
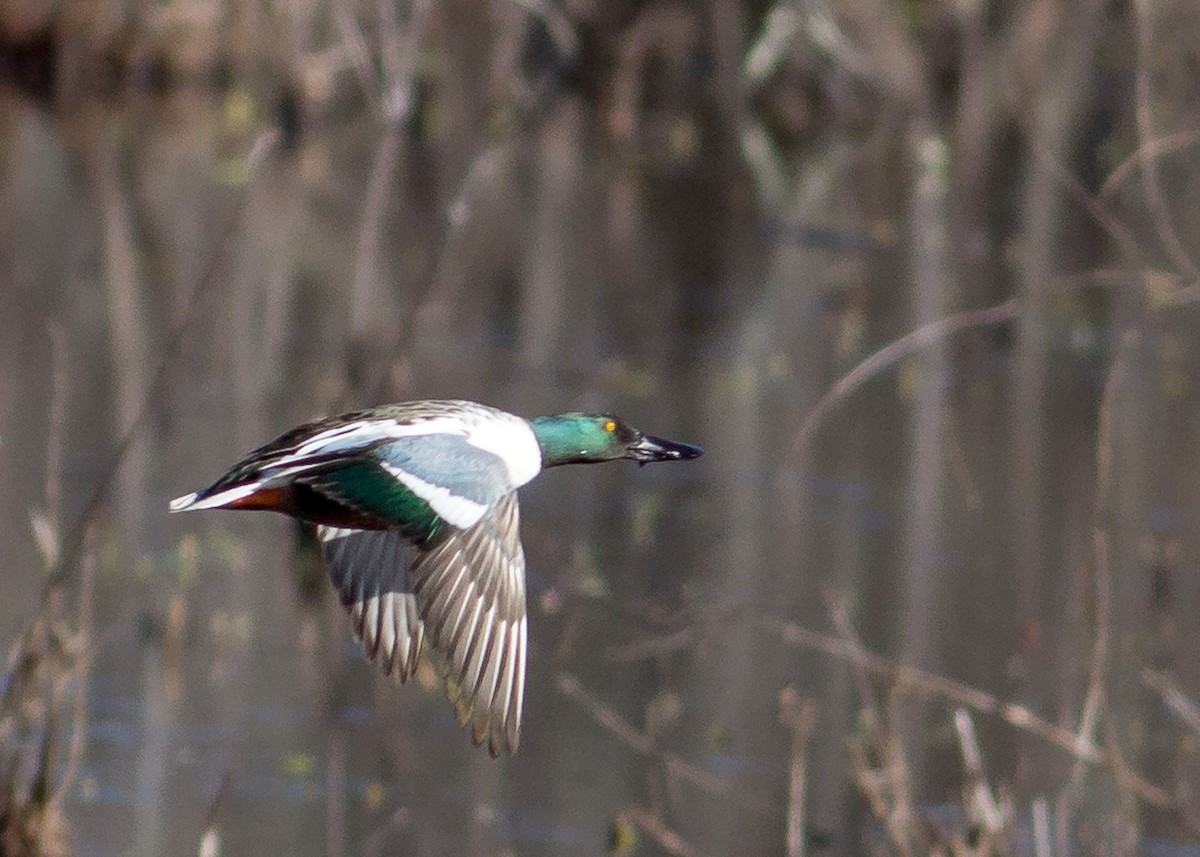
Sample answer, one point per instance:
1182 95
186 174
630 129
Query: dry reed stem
52 668
1042 846
887 785
880 770
982 804
799 716
210 837
1101 570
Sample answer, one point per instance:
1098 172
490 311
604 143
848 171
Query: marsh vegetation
921 277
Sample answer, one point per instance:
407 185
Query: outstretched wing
370 570
466 593
471 591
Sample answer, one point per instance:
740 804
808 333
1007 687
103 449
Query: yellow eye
611 425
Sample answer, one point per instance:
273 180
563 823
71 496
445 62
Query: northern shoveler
416 511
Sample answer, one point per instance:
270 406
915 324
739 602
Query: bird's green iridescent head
580 438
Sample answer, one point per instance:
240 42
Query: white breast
511 440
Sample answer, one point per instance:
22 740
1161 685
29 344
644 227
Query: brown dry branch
47 685
653 647
838 605
689 625
47 675
878 762
644 745
1125 825
654 827
904 677
931 684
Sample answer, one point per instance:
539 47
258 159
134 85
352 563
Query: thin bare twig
83 647
1093 206
929 683
644 745
1147 150
657 829
1093 704
903 676
1184 707
915 340
1151 182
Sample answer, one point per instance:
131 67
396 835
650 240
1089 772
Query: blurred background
921 277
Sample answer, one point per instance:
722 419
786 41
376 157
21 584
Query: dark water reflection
563 279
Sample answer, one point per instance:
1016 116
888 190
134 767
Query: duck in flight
415 506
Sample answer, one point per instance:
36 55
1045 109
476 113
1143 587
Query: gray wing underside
466 595
471 589
370 570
